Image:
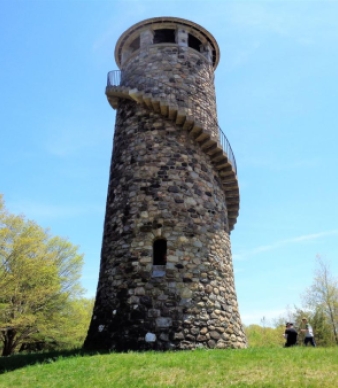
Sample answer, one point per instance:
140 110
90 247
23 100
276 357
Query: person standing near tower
309 337
290 335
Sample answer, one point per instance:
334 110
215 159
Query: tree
322 328
76 320
322 297
317 318
39 278
72 328
267 337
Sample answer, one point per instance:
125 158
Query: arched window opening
160 252
194 42
164 36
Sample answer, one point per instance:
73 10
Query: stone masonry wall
181 75
162 184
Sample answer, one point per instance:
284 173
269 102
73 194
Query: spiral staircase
166 104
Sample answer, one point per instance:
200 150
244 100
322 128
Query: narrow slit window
160 252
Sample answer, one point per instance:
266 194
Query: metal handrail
173 94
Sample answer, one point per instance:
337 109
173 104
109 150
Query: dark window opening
160 252
164 36
194 42
213 56
135 44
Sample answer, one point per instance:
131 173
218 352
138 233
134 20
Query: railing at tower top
179 95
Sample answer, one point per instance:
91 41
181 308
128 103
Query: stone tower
166 277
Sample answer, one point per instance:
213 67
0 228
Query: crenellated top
164 30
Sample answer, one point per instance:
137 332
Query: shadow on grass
17 361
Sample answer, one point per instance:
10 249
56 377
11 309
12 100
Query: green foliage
255 367
39 283
321 328
266 337
318 320
321 298
320 302
75 322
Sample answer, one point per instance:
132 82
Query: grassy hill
254 367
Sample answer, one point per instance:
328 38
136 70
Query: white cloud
282 243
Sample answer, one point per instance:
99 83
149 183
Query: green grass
254 367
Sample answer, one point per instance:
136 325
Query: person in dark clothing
290 335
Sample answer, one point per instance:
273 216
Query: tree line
42 306
319 306
41 300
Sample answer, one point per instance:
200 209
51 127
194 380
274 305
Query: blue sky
277 97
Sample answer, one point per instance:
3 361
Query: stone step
164 108
233 207
230 185
116 92
231 194
172 111
147 97
188 123
136 95
219 157
141 97
196 129
229 188
234 200
226 168
156 105
214 150
207 144
232 177
233 214
223 163
181 116
227 172
124 90
202 136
